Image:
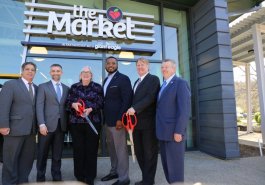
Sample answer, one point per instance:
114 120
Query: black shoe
139 183
127 182
109 177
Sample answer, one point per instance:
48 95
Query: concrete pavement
200 169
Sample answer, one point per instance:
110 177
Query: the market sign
79 21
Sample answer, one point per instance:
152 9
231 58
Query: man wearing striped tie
52 121
144 106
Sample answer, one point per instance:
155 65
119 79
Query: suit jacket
17 110
173 110
117 99
49 109
144 101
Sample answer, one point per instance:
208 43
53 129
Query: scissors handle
127 121
81 108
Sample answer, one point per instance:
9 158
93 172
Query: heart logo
114 14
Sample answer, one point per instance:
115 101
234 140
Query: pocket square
113 86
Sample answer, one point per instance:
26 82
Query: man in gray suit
17 124
52 121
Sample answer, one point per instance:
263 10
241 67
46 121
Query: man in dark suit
144 105
117 99
18 125
172 117
52 121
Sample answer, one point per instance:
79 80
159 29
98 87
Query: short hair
111 57
171 61
86 67
28 63
82 70
56 65
144 60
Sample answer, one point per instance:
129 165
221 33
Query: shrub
257 117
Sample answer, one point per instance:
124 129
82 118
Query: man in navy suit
172 117
144 106
117 99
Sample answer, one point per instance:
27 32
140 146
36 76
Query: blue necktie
162 88
58 92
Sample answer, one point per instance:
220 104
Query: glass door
71 69
71 72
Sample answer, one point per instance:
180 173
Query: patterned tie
162 88
137 84
31 91
58 92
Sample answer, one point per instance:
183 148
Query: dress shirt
141 78
169 79
55 86
27 85
109 78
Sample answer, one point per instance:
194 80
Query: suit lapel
25 89
112 81
172 81
52 90
64 91
142 83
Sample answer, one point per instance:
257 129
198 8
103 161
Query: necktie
162 88
58 92
137 84
31 91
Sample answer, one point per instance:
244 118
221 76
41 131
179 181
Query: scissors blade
91 125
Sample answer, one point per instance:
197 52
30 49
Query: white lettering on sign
77 20
85 22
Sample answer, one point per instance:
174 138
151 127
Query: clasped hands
86 111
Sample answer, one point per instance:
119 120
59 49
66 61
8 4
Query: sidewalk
199 168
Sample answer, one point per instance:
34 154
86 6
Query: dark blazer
144 101
173 110
117 99
17 110
49 109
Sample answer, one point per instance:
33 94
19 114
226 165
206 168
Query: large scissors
81 112
129 125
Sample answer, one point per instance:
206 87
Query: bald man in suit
18 125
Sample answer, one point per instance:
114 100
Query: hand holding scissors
129 125
83 112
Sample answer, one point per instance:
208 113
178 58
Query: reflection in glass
71 69
171 45
178 19
129 69
11 24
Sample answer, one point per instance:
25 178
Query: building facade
78 33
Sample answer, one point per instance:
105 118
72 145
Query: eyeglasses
86 72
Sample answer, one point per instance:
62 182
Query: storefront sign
80 21
98 46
